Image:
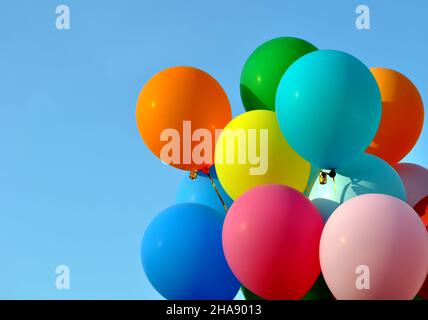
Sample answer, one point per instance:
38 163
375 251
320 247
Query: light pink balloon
415 180
381 233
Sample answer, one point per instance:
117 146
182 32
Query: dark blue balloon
183 257
201 191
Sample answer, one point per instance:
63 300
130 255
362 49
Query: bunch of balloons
300 197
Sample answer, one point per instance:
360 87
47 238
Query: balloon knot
206 170
323 176
193 175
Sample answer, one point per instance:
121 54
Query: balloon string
332 175
218 193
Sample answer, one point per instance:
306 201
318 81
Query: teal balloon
366 174
313 178
202 191
328 107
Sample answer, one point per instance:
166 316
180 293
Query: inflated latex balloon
422 209
319 291
250 295
328 107
178 113
251 151
265 67
313 178
183 257
415 179
271 239
402 116
366 174
374 247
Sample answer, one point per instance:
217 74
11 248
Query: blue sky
77 185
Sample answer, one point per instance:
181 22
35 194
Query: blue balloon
202 191
366 174
328 107
183 257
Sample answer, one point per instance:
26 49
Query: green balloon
264 69
319 291
250 295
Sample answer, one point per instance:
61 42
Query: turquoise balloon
313 178
328 107
202 191
366 174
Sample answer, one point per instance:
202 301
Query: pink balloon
415 180
271 238
374 247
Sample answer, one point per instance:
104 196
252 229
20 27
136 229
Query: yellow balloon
252 151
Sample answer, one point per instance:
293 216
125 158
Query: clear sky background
77 184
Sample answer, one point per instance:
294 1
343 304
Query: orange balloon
179 111
402 116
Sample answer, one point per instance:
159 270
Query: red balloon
424 290
271 238
422 209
